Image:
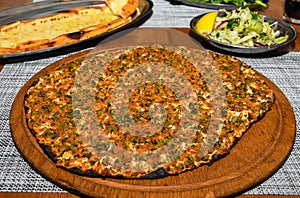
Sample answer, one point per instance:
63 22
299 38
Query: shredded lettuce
247 28
235 2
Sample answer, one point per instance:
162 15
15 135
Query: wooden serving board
259 154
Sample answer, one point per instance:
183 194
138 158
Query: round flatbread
58 111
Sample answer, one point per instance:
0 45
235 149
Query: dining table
18 179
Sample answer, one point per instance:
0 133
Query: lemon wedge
206 23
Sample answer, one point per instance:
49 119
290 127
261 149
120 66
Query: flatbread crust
122 8
65 27
49 112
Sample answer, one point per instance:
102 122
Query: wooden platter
259 154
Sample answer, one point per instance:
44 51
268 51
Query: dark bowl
284 29
217 6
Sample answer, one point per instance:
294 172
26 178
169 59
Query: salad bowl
280 27
219 4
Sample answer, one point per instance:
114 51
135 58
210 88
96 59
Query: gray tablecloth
16 175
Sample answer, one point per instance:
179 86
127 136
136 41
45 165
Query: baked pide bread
65 27
66 134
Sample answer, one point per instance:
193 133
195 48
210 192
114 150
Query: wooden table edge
69 195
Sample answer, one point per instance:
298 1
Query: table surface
275 9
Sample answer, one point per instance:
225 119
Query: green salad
235 2
247 28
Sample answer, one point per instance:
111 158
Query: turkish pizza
66 26
74 115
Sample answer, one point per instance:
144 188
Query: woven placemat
16 175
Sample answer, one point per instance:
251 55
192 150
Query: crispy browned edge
83 34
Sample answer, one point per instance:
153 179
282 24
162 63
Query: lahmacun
51 117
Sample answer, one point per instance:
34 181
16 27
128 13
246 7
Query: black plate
215 5
44 8
284 28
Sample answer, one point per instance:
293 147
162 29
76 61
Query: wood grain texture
261 151
9 4
68 195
